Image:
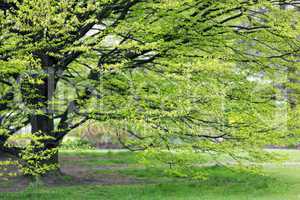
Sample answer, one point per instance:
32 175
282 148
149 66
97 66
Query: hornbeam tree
181 78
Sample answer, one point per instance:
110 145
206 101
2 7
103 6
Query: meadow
114 175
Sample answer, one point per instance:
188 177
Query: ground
119 175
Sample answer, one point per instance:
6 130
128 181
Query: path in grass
81 168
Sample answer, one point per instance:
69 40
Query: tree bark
43 124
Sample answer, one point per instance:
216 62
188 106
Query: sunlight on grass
279 182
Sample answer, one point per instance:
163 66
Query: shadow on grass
121 170
221 183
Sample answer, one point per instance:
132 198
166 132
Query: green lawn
280 182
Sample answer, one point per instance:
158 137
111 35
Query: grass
280 182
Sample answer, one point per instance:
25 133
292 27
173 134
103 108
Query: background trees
185 76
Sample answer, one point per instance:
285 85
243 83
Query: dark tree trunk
43 124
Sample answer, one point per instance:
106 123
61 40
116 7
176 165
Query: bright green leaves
211 54
37 160
179 77
5 168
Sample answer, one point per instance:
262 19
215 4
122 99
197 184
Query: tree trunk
43 124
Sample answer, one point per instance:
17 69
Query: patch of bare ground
84 175
13 184
70 175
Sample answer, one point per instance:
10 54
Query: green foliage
181 77
36 160
4 166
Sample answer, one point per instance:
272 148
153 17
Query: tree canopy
182 78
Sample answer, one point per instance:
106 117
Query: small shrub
75 144
101 135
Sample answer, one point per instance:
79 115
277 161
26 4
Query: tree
175 75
